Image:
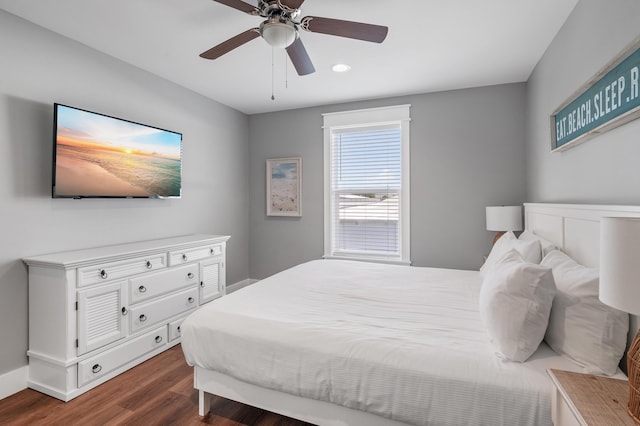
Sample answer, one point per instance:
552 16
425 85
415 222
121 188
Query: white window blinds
367 184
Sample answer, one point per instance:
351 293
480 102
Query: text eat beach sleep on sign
610 99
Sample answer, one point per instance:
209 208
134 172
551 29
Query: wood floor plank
154 389
167 409
156 392
26 407
184 386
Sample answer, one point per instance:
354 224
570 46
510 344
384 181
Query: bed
337 342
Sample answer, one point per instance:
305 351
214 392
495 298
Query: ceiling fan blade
291 4
228 45
241 6
300 58
349 29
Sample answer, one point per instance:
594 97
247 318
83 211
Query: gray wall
602 170
40 68
467 152
605 169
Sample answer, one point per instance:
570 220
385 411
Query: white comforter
402 342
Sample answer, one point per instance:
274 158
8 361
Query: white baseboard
13 381
240 284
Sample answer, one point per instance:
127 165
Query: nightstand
583 399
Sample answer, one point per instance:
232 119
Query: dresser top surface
73 258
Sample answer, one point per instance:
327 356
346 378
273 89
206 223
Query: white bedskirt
405 343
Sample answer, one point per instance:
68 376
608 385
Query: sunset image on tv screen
101 156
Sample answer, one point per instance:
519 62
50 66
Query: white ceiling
431 46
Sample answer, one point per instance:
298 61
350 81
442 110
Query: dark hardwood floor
156 392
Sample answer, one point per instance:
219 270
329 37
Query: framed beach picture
284 186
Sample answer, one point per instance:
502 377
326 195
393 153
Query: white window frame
398 114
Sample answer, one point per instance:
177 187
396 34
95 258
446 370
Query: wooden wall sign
608 100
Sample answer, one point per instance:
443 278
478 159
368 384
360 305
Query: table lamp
620 287
503 219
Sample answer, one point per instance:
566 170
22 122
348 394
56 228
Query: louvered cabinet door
212 279
102 314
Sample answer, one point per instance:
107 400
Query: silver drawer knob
178 329
124 311
184 257
142 318
96 368
142 289
190 275
103 274
158 339
149 265
191 300
212 251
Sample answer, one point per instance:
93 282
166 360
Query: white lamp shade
620 263
504 218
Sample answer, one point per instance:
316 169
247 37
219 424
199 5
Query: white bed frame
574 228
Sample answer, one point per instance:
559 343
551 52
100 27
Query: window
367 184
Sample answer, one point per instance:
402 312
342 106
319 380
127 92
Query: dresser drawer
93 368
174 329
148 286
190 255
148 314
115 270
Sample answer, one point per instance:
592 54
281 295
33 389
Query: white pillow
515 300
581 327
545 245
529 250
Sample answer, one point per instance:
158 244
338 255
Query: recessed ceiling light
341 68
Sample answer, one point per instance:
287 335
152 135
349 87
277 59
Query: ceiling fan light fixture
278 34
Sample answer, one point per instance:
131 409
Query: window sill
371 259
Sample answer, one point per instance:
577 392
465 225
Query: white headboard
574 228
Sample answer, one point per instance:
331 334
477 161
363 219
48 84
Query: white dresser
97 312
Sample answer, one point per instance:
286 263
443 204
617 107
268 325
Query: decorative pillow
515 300
529 250
545 245
581 327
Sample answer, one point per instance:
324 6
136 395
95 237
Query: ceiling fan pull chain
286 71
273 98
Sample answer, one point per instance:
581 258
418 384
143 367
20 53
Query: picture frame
284 186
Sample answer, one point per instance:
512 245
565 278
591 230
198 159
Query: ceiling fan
280 30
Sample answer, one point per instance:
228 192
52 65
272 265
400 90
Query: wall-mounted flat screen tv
99 156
